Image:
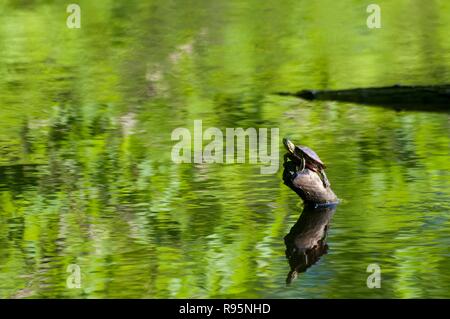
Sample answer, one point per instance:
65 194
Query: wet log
434 98
308 185
306 241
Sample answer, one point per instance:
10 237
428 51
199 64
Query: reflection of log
306 241
420 98
307 184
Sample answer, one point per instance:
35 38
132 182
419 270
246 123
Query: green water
86 175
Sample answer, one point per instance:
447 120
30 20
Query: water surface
86 175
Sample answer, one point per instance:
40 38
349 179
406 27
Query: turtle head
289 145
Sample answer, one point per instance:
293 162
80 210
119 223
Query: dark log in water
419 98
308 185
306 241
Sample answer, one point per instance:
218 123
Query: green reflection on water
85 172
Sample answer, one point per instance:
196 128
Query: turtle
306 157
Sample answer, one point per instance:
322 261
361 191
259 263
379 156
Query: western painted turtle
305 157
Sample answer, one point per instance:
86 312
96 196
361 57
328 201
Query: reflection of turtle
306 157
306 242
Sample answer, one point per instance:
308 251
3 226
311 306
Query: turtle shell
310 153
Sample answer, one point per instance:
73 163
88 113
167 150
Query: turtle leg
324 179
303 165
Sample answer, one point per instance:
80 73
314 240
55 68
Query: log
308 185
306 241
432 98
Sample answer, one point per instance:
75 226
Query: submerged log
308 185
306 241
434 98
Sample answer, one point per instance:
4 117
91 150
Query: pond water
86 175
